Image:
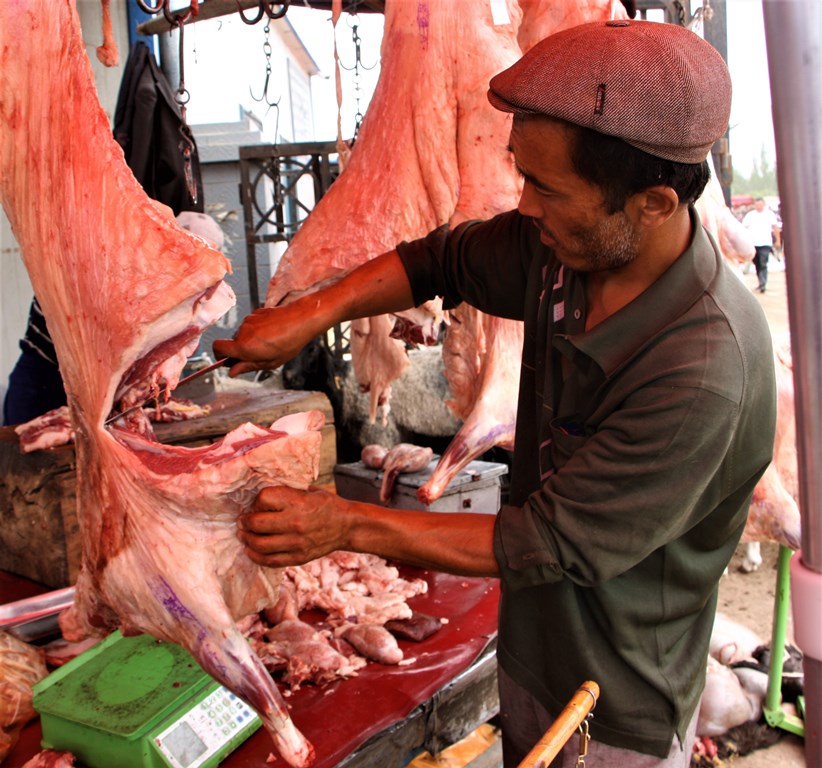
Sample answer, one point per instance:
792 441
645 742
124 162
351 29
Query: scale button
232 725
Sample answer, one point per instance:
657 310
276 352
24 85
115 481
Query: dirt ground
748 598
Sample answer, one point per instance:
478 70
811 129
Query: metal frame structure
275 199
279 186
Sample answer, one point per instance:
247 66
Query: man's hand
267 338
270 337
291 527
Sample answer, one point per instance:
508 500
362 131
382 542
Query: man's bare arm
289 527
270 337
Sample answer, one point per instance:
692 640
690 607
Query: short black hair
621 170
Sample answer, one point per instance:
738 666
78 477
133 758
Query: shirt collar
614 340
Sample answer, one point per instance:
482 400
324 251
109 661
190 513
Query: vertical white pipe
793 32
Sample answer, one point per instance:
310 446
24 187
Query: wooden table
39 534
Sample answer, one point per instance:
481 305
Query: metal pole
793 32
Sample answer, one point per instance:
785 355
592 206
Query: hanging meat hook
264 96
267 52
265 7
164 6
355 36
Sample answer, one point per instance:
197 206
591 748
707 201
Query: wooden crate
39 535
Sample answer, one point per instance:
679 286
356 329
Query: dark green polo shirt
638 446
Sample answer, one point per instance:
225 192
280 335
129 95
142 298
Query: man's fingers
224 348
278 560
262 524
272 498
274 551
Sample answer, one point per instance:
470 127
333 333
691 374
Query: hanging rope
182 97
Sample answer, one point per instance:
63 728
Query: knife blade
225 361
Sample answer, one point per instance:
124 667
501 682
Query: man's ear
653 206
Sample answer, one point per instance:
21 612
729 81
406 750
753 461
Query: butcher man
647 402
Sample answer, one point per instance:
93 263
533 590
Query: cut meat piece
481 355
51 429
127 294
378 360
373 456
351 586
774 512
373 641
61 651
305 654
21 666
51 758
54 427
403 457
417 628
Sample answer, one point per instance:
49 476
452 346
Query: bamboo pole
563 728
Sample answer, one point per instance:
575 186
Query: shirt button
577 314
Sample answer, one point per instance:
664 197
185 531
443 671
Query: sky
751 120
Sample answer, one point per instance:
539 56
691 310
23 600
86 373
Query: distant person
35 383
765 231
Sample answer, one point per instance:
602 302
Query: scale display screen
183 744
203 731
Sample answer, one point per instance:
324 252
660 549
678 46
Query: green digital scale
136 702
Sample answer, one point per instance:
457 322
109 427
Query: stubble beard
610 244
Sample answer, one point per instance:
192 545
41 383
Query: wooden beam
212 9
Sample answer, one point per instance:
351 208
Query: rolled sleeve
483 263
519 548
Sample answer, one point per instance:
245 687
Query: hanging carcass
432 151
127 294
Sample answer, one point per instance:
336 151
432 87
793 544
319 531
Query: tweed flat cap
657 86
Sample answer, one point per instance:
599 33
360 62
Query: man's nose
527 205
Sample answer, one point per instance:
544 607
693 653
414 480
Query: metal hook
163 5
179 18
357 52
267 53
148 8
264 96
265 7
